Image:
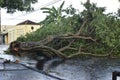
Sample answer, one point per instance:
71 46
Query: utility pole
1 36
0 20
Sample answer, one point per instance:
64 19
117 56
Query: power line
18 19
45 5
53 2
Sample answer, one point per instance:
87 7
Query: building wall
5 28
13 32
4 31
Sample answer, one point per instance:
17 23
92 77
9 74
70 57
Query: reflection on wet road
88 69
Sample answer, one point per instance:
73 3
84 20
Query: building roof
27 22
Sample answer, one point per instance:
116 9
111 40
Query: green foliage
105 28
109 31
51 29
22 38
55 14
70 10
20 5
69 52
7 51
1 2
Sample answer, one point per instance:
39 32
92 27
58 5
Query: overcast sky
37 15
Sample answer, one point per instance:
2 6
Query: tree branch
76 37
84 23
67 47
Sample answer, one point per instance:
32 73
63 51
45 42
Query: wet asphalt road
87 68
18 72
11 71
90 68
75 69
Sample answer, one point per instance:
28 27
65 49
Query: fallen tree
90 32
55 46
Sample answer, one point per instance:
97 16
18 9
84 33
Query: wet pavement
18 72
87 68
13 71
75 69
90 68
